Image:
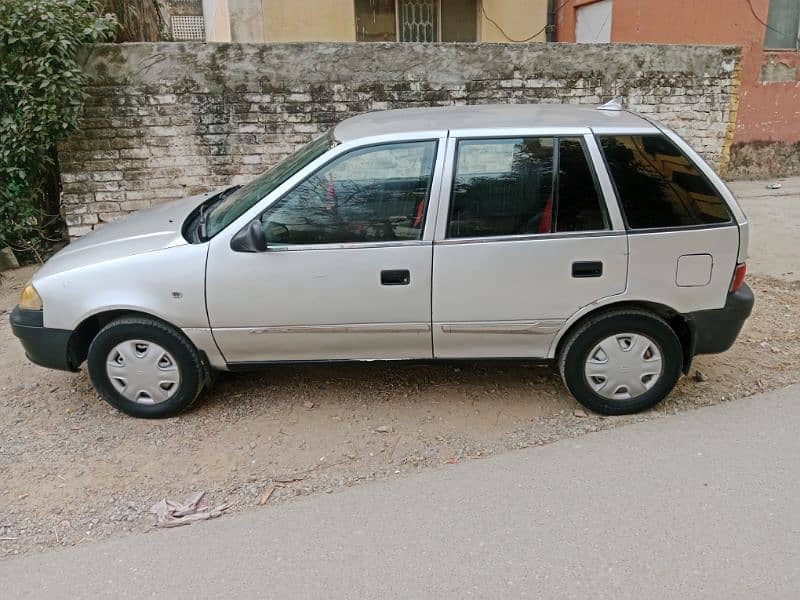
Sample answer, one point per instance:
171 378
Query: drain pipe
550 30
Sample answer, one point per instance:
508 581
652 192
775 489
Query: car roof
484 116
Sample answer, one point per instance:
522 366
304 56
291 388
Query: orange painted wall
768 111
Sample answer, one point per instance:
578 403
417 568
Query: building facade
766 137
372 20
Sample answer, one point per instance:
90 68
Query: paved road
774 217
704 504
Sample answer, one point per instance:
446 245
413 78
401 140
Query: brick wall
164 121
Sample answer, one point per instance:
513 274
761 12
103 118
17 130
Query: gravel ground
73 470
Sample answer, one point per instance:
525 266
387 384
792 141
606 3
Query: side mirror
250 239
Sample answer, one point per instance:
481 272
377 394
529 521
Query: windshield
237 203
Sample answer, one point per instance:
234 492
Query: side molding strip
542 327
338 329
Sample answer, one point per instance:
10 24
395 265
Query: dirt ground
73 470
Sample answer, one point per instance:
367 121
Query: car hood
147 230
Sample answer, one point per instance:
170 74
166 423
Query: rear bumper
714 331
44 346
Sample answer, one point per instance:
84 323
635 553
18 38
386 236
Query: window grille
188 27
418 20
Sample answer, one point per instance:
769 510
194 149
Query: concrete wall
769 102
247 20
518 20
217 20
310 21
164 121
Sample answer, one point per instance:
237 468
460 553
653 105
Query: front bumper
714 331
44 346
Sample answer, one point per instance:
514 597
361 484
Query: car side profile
591 237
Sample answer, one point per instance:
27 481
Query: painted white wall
246 20
593 25
217 20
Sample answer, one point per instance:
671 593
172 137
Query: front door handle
591 268
395 277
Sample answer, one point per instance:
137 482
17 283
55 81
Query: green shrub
41 99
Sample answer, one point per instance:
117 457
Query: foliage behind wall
41 99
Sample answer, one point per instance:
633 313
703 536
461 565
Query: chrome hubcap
624 366
143 372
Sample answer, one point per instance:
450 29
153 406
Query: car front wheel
145 368
621 362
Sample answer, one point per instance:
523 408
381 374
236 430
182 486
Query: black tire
580 342
193 372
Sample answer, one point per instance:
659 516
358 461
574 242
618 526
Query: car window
509 187
658 186
374 194
238 202
580 204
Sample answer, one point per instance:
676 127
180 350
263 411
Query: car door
684 240
525 238
347 271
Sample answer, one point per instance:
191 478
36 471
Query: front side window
240 201
658 186
507 187
373 194
783 25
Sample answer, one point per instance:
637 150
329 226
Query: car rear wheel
145 368
621 362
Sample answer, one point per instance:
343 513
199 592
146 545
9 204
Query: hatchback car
594 238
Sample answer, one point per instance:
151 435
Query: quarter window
510 187
374 194
658 186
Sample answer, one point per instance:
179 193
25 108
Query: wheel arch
678 322
90 326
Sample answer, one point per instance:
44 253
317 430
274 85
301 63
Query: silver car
594 238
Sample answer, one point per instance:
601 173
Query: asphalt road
704 504
774 217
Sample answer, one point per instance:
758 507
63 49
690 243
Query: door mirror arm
250 239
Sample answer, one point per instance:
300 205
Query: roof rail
613 104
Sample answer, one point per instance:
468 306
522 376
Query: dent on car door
527 242
683 239
347 271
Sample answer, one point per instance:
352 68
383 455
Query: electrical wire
760 20
768 26
529 38
565 2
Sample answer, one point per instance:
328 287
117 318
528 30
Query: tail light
738 277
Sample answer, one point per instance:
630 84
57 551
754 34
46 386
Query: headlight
29 299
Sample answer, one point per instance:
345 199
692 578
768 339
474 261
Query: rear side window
658 186
523 186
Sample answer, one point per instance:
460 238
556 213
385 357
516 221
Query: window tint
375 194
658 186
507 187
237 203
578 200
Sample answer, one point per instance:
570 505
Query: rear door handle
592 268
395 277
